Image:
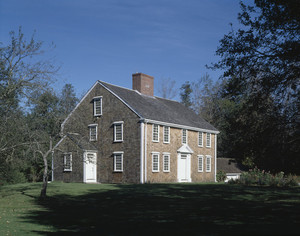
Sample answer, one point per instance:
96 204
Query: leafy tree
185 94
24 77
68 100
262 68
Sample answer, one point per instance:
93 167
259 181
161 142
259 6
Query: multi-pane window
93 132
208 140
166 162
155 162
166 134
200 139
118 161
118 131
97 106
155 133
184 136
200 163
208 163
68 161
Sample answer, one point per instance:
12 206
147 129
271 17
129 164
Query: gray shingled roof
82 142
159 109
229 165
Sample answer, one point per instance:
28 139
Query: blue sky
109 40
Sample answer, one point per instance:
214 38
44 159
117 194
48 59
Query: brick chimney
143 83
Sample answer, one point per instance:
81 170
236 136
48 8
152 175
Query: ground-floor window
155 162
118 161
166 162
68 161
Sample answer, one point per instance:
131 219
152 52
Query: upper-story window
208 140
166 134
68 161
118 131
97 106
155 133
184 136
93 132
200 139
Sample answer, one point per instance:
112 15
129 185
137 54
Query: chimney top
143 83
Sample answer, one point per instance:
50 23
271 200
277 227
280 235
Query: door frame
85 166
188 162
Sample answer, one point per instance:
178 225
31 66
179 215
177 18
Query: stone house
120 135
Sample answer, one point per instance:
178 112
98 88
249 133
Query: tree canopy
261 63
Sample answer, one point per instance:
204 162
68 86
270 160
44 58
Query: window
93 132
166 134
208 140
208 163
184 136
155 133
200 139
97 106
155 162
166 162
68 161
118 131
200 163
118 161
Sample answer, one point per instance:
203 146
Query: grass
150 209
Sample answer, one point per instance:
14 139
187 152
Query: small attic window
97 106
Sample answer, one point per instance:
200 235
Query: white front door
184 168
90 167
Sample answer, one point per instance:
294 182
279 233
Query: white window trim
200 144
208 144
156 141
115 133
94 104
65 161
186 134
90 126
208 159
168 156
155 153
169 130
115 155
200 167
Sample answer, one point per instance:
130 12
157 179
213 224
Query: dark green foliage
221 176
30 111
260 177
185 94
261 61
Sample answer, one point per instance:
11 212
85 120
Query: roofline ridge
117 96
100 81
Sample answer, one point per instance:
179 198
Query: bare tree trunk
45 177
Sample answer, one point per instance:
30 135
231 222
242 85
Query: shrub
221 176
257 177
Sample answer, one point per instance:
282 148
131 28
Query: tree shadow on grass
172 209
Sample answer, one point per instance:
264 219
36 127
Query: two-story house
120 135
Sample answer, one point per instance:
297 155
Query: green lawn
150 209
